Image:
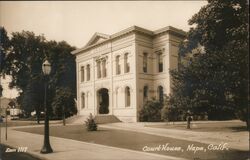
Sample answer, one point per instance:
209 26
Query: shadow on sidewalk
9 153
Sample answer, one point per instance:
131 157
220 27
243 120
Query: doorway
103 101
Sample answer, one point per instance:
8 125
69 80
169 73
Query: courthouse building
118 73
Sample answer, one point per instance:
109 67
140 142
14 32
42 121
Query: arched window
104 71
160 94
118 67
83 100
145 62
145 93
160 62
127 97
82 73
88 72
126 64
98 69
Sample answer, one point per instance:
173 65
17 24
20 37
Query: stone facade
117 73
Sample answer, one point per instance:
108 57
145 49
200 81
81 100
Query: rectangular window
127 68
88 72
145 62
104 71
160 62
98 69
82 73
127 98
145 93
83 100
118 67
126 64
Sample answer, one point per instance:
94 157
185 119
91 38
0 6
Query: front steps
99 119
77 119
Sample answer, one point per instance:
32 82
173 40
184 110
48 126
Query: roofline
170 29
97 34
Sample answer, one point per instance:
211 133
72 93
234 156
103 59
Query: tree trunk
63 114
38 114
188 122
248 123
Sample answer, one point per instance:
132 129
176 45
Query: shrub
151 111
91 124
171 113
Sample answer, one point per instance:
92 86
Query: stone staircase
77 119
99 119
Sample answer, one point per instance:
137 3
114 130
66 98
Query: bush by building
151 111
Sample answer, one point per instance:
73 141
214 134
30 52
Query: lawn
136 141
207 127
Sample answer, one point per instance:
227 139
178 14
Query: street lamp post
46 67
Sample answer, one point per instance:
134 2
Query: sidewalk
65 149
235 140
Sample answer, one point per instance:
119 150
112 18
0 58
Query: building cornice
135 29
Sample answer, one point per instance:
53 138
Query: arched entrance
103 101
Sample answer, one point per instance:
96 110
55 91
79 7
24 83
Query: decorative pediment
97 38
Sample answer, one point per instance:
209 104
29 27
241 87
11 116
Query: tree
4 48
63 103
24 64
62 79
215 79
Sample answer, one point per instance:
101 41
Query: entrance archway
103 101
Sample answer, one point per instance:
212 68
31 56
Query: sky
76 22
